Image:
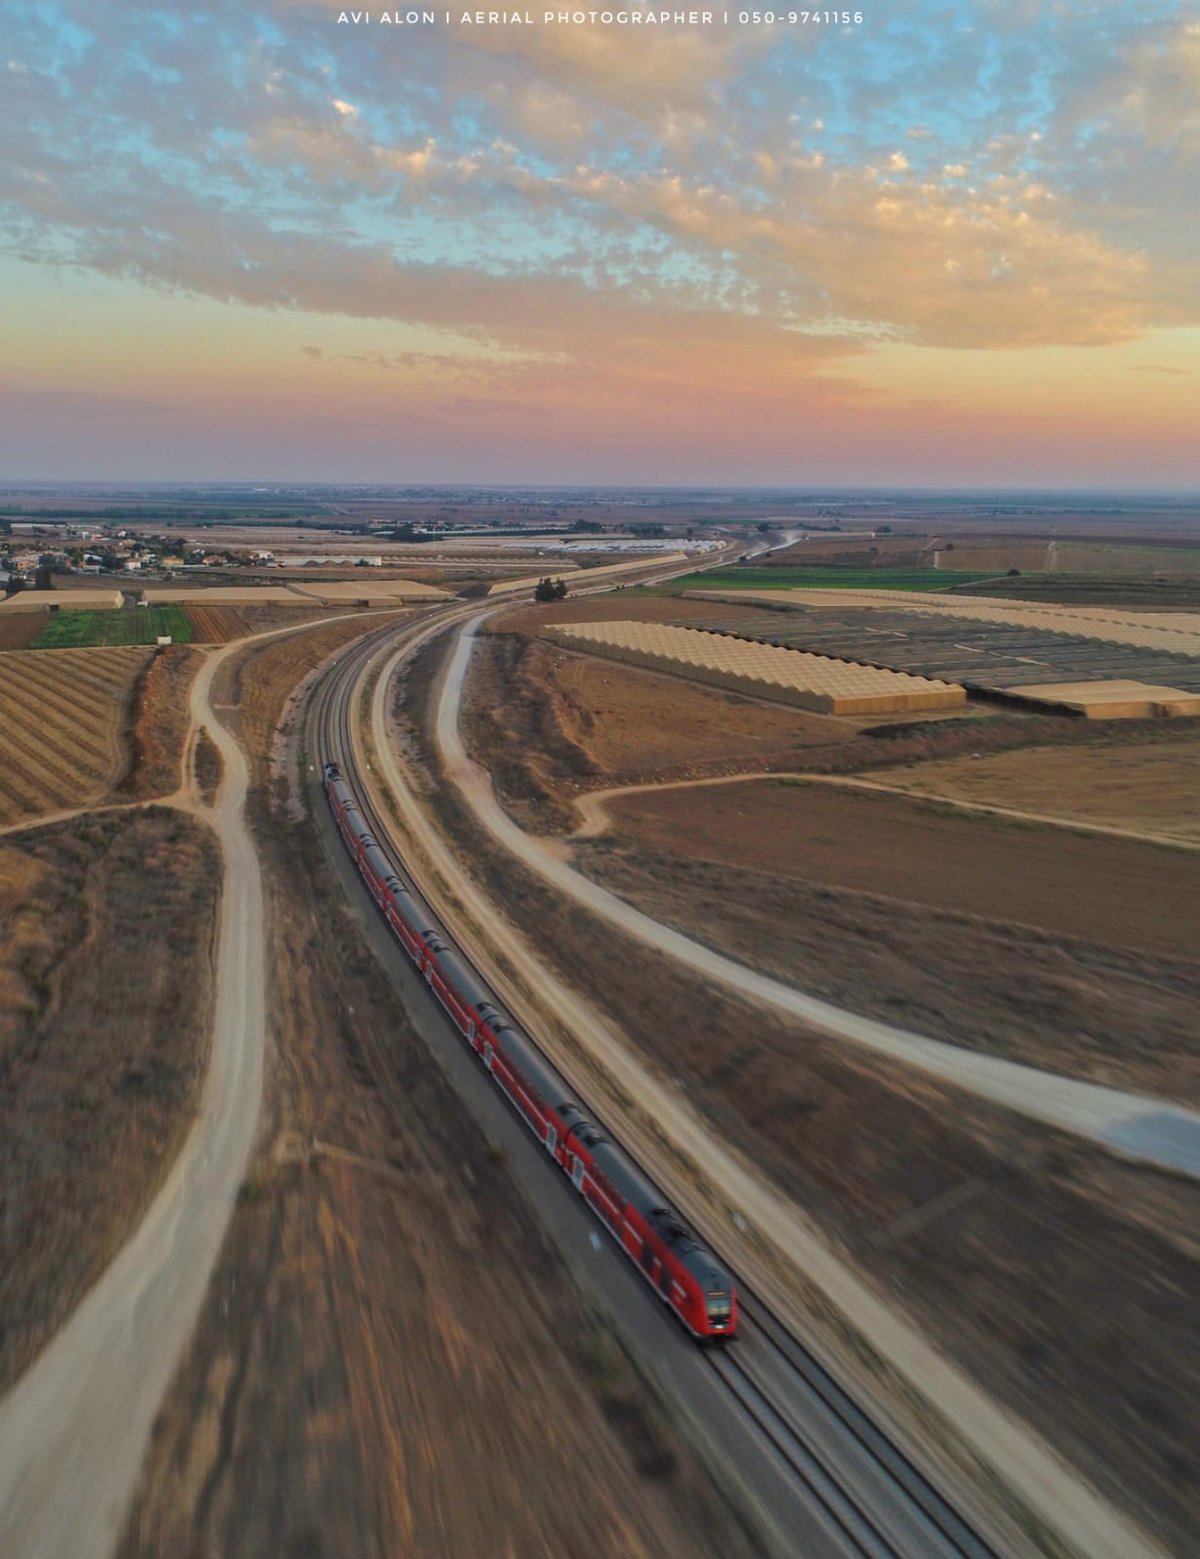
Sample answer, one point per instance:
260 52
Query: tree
548 589
763 528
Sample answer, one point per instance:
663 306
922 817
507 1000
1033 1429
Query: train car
684 1275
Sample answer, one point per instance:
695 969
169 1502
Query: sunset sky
954 245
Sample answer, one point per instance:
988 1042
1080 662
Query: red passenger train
684 1275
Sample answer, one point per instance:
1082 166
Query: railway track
872 1496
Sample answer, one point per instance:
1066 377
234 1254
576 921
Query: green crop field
72 629
825 579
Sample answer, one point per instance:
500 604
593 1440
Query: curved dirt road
652 1113
74 1427
595 820
1155 1131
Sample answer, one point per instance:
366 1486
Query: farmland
824 579
349 1388
992 1234
68 629
106 926
1030 942
1150 787
18 630
212 624
63 715
556 724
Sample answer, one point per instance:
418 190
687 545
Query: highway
820 1476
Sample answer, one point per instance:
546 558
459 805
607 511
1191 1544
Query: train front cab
720 1314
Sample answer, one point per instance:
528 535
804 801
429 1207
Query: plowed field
62 713
18 630
215 624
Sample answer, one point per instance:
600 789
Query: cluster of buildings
30 547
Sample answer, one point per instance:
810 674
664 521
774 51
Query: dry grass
209 767
1153 786
105 969
257 683
1109 891
393 1360
216 624
996 1235
18 630
63 713
555 723
160 723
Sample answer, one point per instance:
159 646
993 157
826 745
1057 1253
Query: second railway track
875 1499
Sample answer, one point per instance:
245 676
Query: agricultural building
1172 633
761 670
1120 700
46 600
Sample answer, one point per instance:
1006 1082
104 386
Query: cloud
615 217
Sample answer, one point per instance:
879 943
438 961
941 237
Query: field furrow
63 715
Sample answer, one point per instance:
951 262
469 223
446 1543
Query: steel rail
904 1516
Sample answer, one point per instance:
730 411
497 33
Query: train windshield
719 1308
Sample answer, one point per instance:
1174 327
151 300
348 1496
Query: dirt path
679 1148
1153 1130
592 806
73 1430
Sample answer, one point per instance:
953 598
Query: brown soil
253 687
1115 892
1151 787
18 630
99 1072
1115 1017
994 1234
64 715
261 619
555 724
216 624
393 1360
159 723
208 766
628 606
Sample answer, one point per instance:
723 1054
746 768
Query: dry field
106 928
216 624
555 723
551 724
393 1360
160 724
64 714
254 685
1154 787
19 630
1105 890
208 767
528 621
996 1236
1046 946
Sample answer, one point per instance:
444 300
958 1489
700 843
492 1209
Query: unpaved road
592 805
1154 1131
654 1113
73 1430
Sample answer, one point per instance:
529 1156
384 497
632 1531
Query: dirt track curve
1155 1131
1022 1459
73 1429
